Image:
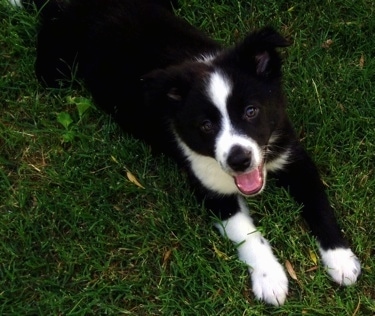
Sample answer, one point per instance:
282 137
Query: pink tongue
249 183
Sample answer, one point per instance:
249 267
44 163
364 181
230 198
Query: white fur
279 162
219 89
269 281
209 172
342 265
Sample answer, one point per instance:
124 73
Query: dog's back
111 45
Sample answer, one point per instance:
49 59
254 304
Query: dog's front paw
342 265
270 282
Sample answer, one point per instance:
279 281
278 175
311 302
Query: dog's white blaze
219 89
268 276
342 265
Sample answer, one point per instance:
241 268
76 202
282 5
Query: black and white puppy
219 112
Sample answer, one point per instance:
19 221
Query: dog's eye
250 112
207 126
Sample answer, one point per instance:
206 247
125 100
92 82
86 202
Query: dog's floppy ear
258 52
159 85
170 85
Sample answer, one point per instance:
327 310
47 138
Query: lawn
79 236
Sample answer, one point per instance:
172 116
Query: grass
77 237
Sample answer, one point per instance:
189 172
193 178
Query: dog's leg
301 178
269 281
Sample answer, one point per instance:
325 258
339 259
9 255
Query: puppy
218 112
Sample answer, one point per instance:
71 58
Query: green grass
78 238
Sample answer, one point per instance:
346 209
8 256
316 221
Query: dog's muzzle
248 174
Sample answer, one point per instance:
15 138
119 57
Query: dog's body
220 113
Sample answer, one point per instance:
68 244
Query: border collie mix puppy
219 112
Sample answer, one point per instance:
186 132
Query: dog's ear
170 85
258 52
164 86
153 85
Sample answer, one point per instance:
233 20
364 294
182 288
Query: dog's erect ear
258 51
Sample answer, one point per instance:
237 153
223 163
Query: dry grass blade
133 179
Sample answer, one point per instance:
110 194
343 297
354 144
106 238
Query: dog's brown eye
251 112
207 126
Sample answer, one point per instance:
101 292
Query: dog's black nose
239 158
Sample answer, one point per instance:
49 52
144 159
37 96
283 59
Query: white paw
342 265
270 282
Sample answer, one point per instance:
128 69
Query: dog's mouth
250 183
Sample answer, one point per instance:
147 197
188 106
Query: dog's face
225 110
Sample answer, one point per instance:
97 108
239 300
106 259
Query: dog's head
225 110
